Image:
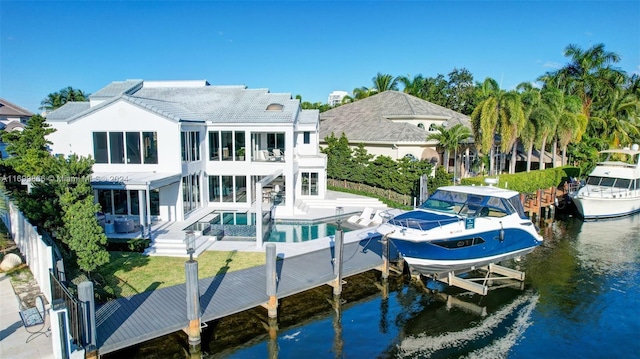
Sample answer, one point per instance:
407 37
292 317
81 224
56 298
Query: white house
12 118
335 97
165 150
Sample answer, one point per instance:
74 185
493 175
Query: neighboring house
394 124
165 149
335 98
12 118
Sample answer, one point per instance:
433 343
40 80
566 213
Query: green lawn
130 273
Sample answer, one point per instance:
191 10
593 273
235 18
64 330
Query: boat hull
431 257
591 208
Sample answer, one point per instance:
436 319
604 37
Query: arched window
275 107
421 125
432 127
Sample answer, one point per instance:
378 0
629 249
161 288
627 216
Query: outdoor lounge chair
277 154
375 219
365 215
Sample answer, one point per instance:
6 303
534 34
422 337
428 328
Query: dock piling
272 280
337 261
193 307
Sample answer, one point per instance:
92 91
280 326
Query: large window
307 137
214 145
115 147
150 145
123 202
190 146
133 147
309 184
100 149
191 192
227 145
228 189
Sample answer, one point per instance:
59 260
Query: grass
130 273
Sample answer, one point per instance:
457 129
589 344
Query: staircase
174 245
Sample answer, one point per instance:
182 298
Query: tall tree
485 118
531 98
589 75
460 94
449 140
435 90
413 86
56 100
384 82
29 148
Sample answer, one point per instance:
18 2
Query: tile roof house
172 151
12 118
393 124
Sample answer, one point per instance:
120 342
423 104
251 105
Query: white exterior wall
77 137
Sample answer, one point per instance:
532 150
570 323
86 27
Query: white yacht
612 189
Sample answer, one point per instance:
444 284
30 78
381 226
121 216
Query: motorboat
462 228
612 189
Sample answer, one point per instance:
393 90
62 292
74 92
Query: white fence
38 255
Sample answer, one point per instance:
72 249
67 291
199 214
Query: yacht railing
421 224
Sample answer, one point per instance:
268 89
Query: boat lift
481 284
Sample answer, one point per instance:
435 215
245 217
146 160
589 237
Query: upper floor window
227 145
307 137
190 146
432 127
421 125
125 147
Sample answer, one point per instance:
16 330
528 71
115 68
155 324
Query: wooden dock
128 321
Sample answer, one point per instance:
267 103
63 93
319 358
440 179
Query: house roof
193 101
10 109
14 125
370 119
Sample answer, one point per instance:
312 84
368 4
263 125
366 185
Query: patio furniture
34 319
124 225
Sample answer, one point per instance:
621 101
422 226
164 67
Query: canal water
581 299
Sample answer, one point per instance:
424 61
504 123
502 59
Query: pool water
301 232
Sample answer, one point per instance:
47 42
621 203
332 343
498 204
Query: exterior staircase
175 246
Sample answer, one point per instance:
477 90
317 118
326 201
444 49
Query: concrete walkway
15 341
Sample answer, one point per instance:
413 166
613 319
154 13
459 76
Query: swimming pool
294 232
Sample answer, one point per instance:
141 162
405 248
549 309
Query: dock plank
128 321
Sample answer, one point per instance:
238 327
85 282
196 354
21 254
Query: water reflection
449 330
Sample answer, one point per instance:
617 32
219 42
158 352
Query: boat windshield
470 205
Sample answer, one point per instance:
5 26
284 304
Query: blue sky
308 48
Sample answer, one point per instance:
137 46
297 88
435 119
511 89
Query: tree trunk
446 160
555 150
514 156
491 161
529 154
564 155
541 159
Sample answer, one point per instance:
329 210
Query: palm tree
450 139
499 112
589 75
572 124
530 97
362 92
384 82
58 99
413 86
